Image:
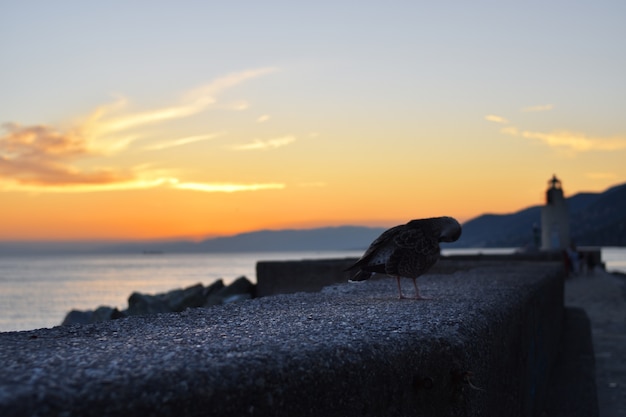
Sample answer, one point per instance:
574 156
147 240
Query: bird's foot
415 297
422 297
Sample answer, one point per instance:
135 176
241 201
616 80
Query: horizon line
190 239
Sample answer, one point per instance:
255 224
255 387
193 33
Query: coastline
39 291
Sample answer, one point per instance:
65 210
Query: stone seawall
484 346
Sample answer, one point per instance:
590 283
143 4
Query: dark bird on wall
407 250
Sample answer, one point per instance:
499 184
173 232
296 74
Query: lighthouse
554 218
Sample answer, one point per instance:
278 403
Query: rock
77 317
172 301
240 289
104 313
240 286
140 304
216 286
179 300
213 300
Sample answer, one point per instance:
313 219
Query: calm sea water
38 291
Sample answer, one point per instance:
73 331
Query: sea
38 291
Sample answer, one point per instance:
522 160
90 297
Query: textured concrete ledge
484 346
285 277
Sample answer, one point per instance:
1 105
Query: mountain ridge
332 238
596 219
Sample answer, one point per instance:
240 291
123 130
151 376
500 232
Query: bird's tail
361 276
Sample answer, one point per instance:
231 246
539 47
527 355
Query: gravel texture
482 346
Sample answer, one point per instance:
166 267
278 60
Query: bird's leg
417 292
399 288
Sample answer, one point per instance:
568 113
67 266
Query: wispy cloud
572 141
537 108
105 121
263 118
259 144
48 159
496 119
182 141
203 95
40 155
563 140
68 188
155 116
140 184
226 187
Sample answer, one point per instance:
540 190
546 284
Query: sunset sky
155 119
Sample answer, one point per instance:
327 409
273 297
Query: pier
487 344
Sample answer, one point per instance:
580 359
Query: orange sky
205 130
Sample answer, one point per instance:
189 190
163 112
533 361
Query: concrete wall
483 347
286 277
311 275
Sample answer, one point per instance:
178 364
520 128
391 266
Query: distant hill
602 221
327 239
596 219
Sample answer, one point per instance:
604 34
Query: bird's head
450 230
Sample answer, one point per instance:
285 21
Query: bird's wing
381 241
410 238
415 252
412 261
408 263
361 276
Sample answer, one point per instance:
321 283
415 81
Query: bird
407 250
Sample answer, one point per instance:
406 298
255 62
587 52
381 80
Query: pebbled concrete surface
572 386
603 298
483 346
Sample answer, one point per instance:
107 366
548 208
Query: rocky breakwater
176 300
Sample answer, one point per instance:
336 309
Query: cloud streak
103 122
258 144
40 155
202 96
227 187
46 159
538 108
182 141
140 184
496 119
570 141
564 140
